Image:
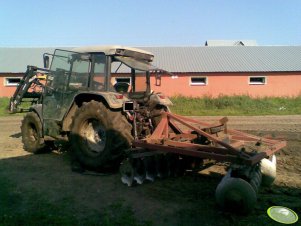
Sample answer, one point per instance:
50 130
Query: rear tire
98 135
31 129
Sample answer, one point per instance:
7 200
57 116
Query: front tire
99 135
32 138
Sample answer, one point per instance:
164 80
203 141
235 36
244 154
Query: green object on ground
282 215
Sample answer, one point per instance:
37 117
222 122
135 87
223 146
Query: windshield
77 71
130 76
68 69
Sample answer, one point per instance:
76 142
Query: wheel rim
94 135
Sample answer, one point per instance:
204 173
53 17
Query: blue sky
59 23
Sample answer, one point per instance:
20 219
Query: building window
198 81
14 81
257 80
123 79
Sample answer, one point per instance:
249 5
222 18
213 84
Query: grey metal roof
184 59
228 58
231 43
15 60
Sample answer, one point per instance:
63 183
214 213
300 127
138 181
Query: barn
211 70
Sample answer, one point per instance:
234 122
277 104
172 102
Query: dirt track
187 200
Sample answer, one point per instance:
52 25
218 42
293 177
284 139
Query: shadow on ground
187 200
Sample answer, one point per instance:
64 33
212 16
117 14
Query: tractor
123 123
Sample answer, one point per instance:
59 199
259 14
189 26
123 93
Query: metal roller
235 194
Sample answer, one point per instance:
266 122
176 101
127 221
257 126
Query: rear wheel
31 130
98 135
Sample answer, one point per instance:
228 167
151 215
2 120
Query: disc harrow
179 143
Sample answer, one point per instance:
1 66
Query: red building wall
277 84
7 90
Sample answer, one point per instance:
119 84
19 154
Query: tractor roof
117 50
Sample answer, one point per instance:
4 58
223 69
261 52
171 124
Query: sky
63 23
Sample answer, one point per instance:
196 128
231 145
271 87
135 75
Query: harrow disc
162 166
139 170
127 172
132 170
150 168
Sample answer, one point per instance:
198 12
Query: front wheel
31 129
99 135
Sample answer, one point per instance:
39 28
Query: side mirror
46 61
158 78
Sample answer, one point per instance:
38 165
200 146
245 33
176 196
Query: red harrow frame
251 159
232 146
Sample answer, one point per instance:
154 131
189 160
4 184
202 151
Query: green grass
236 105
31 208
4 106
223 105
4 103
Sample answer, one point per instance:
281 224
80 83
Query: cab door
69 74
56 85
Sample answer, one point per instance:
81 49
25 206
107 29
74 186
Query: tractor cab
133 64
98 69
117 74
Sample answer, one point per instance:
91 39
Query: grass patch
222 105
236 105
31 208
4 101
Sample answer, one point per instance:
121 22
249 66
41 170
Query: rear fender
159 99
110 99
